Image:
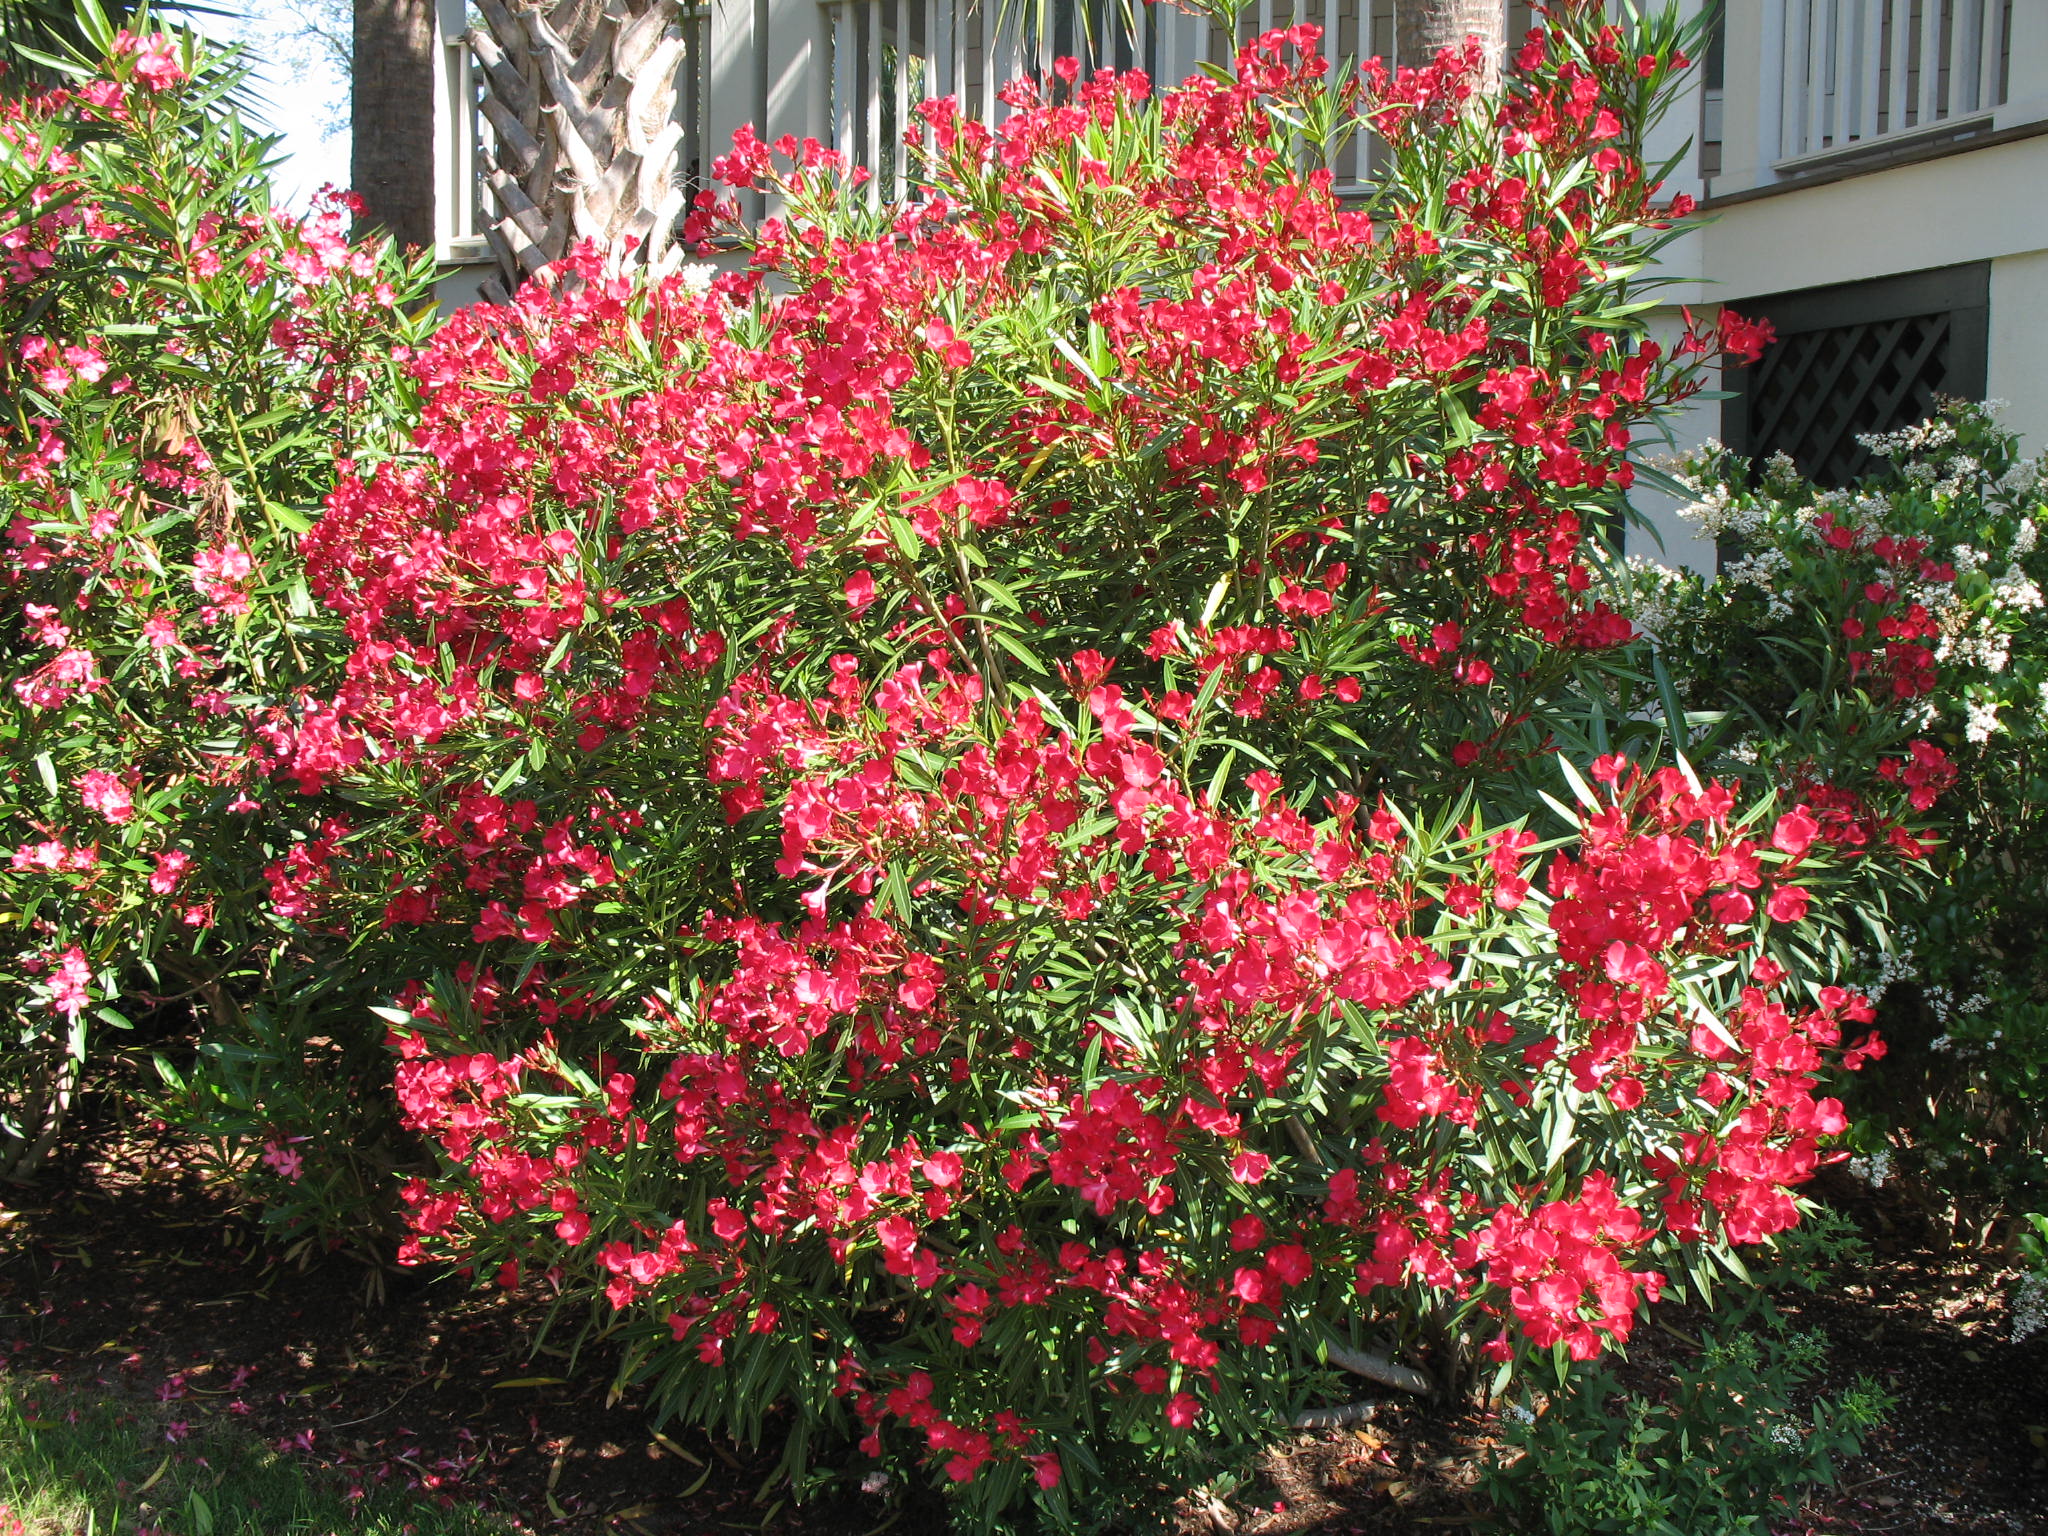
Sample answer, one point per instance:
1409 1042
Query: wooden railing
889 55
1858 73
851 73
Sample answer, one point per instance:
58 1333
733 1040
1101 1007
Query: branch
1379 1368
1340 1417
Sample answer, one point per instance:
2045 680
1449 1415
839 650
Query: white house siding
1775 226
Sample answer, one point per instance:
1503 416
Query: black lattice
1814 392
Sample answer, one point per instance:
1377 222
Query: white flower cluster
1922 437
1652 597
1864 509
1941 1002
1944 1005
1692 467
1717 512
1892 967
2029 1306
2024 482
1971 637
1761 570
1981 719
2016 590
697 276
1874 1170
1779 470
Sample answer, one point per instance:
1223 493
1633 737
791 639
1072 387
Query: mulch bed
122 1272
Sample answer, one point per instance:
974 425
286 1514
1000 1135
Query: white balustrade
887 56
1861 73
852 73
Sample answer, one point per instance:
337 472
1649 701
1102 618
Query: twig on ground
1335 1418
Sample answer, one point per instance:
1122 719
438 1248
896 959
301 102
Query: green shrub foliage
184 368
1845 624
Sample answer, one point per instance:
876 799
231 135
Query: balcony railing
1860 73
851 73
889 55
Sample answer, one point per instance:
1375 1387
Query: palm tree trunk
581 99
1421 27
391 114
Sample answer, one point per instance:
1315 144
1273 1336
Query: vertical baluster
462 205
870 152
1930 63
845 76
925 84
1793 114
1993 34
1375 41
1323 14
1819 58
1017 51
1844 103
986 17
1983 37
1799 64
1869 64
995 23
1965 36
1344 55
700 75
686 107
899 157
1899 14
693 103
1170 29
967 15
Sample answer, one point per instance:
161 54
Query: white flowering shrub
1856 640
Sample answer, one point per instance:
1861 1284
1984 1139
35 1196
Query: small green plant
2030 1295
1739 1437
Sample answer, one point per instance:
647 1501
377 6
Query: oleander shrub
997 831
1846 625
182 368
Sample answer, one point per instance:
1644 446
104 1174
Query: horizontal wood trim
1881 158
